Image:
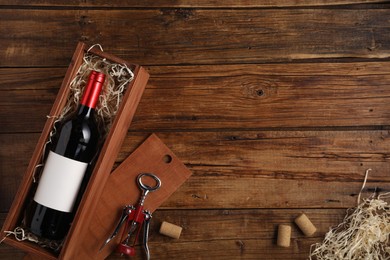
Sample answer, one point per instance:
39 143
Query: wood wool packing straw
170 230
284 235
305 225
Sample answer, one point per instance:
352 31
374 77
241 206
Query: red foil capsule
92 89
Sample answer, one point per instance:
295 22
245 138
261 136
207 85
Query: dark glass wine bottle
73 147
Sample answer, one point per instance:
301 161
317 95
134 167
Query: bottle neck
85 111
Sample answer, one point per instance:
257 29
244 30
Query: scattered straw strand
117 78
21 234
364 185
363 234
93 46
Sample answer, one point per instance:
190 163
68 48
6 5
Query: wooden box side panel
121 189
18 205
104 164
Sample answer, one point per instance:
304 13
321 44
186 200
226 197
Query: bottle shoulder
76 138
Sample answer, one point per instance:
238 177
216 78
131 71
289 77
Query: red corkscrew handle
126 250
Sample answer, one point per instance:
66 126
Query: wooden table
277 109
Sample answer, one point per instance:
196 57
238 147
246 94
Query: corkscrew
135 218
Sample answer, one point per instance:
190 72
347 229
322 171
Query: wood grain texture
195 36
14 158
247 234
277 107
248 96
228 232
122 189
183 3
241 168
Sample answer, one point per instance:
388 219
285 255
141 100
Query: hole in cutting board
167 158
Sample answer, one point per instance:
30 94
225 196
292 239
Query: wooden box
103 165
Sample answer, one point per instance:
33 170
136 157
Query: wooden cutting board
121 189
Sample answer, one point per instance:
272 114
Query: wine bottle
73 147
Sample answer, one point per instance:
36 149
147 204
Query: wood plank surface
182 4
277 108
248 169
249 96
228 233
194 36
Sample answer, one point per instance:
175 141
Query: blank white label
60 182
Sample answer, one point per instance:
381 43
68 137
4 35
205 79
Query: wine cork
284 235
170 230
305 225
